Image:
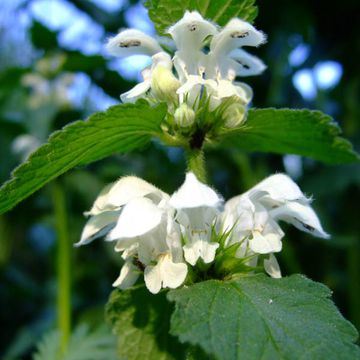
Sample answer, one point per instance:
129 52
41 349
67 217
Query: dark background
53 70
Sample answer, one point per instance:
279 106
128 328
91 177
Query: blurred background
54 70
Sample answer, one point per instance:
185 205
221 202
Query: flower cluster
170 239
206 61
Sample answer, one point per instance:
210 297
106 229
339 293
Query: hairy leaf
141 321
257 317
166 12
119 129
285 131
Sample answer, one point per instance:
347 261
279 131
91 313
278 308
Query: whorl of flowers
162 237
203 81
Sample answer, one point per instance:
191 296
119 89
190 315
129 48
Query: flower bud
164 84
184 115
234 115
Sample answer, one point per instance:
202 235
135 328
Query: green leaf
286 131
141 321
119 129
42 37
84 344
257 317
166 12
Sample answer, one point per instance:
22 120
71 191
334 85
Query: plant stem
63 264
196 163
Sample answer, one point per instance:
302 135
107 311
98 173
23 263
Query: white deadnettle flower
109 203
133 42
226 57
200 76
136 215
197 206
253 216
159 235
189 34
148 227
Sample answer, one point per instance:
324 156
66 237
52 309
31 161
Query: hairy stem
196 163
63 265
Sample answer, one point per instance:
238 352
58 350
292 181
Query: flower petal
200 249
132 42
272 267
128 275
279 188
152 277
190 32
130 187
172 274
163 59
101 203
247 65
265 244
97 226
138 217
193 193
301 216
136 92
244 91
235 34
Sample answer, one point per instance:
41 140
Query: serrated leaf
141 320
119 129
257 317
166 12
286 131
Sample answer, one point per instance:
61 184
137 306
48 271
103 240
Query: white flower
254 215
202 79
161 62
158 235
189 34
197 206
149 227
132 42
272 267
107 207
164 274
226 58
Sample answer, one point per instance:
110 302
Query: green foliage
42 37
262 318
286 131
166 12
120 129
141 321
99 344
